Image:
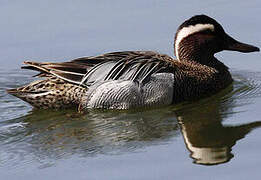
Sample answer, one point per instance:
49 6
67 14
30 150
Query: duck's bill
234 45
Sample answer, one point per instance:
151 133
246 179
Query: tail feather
59 89
50 93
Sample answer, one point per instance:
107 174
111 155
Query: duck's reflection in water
47 136
208 140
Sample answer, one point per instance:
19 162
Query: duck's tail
50 93
59 89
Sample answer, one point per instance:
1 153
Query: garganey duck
133 79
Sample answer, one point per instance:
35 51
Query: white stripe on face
186 31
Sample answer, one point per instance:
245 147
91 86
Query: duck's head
200 37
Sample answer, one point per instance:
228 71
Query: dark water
214 138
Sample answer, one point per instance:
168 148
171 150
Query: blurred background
61 30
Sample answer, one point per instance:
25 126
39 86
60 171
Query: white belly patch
127 94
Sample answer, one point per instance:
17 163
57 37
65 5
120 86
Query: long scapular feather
67 71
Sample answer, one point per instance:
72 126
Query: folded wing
128 65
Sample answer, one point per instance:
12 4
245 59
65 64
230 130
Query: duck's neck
209 61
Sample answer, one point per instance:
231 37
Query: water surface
214 138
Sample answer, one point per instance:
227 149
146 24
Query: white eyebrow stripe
186 31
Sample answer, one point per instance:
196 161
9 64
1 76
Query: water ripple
42 137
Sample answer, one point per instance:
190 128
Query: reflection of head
208 140
207 155
211 156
